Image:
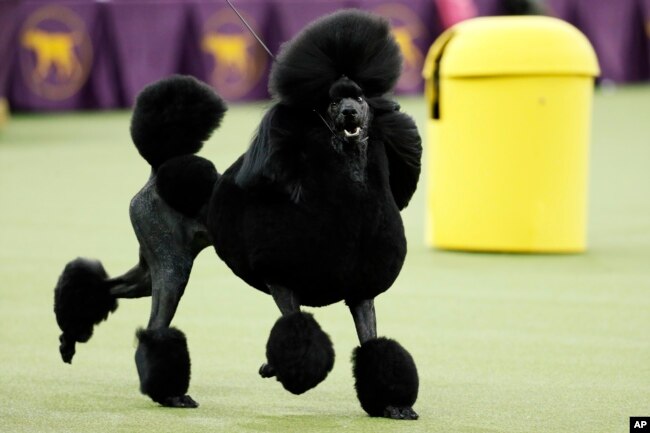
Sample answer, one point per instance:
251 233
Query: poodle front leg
299 354
287 304
365 321
284 299
162 358
386 378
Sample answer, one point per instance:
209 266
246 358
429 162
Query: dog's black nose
349 112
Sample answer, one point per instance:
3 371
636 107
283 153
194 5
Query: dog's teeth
352 134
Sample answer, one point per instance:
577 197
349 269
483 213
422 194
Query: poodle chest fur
342 241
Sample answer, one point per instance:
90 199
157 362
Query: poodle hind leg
299 354
170 241
162 357
136 283
163 363
84 296
386 378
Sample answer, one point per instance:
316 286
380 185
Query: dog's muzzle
349 123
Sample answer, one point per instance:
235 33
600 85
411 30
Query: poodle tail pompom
173 117
300 353
81 300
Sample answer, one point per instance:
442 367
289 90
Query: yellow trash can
510 106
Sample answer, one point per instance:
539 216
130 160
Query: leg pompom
163 364
81 301
386 379
299 352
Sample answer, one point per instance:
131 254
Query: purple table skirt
82 54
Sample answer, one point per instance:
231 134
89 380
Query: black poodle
310 214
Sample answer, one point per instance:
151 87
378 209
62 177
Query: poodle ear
273 158
403 145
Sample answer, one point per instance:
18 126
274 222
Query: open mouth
352 132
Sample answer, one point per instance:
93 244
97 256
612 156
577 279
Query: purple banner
563 9
102 89
645 10
489 7
8 19
149 40
415 25
230 58
292 15
77 54
57 47
615 29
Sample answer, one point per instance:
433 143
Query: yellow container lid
511 45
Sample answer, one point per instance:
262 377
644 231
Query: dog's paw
400 413
184 401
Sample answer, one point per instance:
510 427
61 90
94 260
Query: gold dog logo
407 29
238 60
53 50
227 49
56 52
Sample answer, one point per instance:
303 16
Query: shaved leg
169 282
136 283
365 321
284 299
385 374
162 357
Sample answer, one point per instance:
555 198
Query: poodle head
350 42
348 111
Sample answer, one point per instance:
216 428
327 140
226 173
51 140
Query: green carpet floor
503 343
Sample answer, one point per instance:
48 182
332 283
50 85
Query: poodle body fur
307 207
309 214
342 239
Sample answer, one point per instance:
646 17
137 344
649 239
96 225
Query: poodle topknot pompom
353 43
173 117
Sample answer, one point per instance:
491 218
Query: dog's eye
360 99
334 103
